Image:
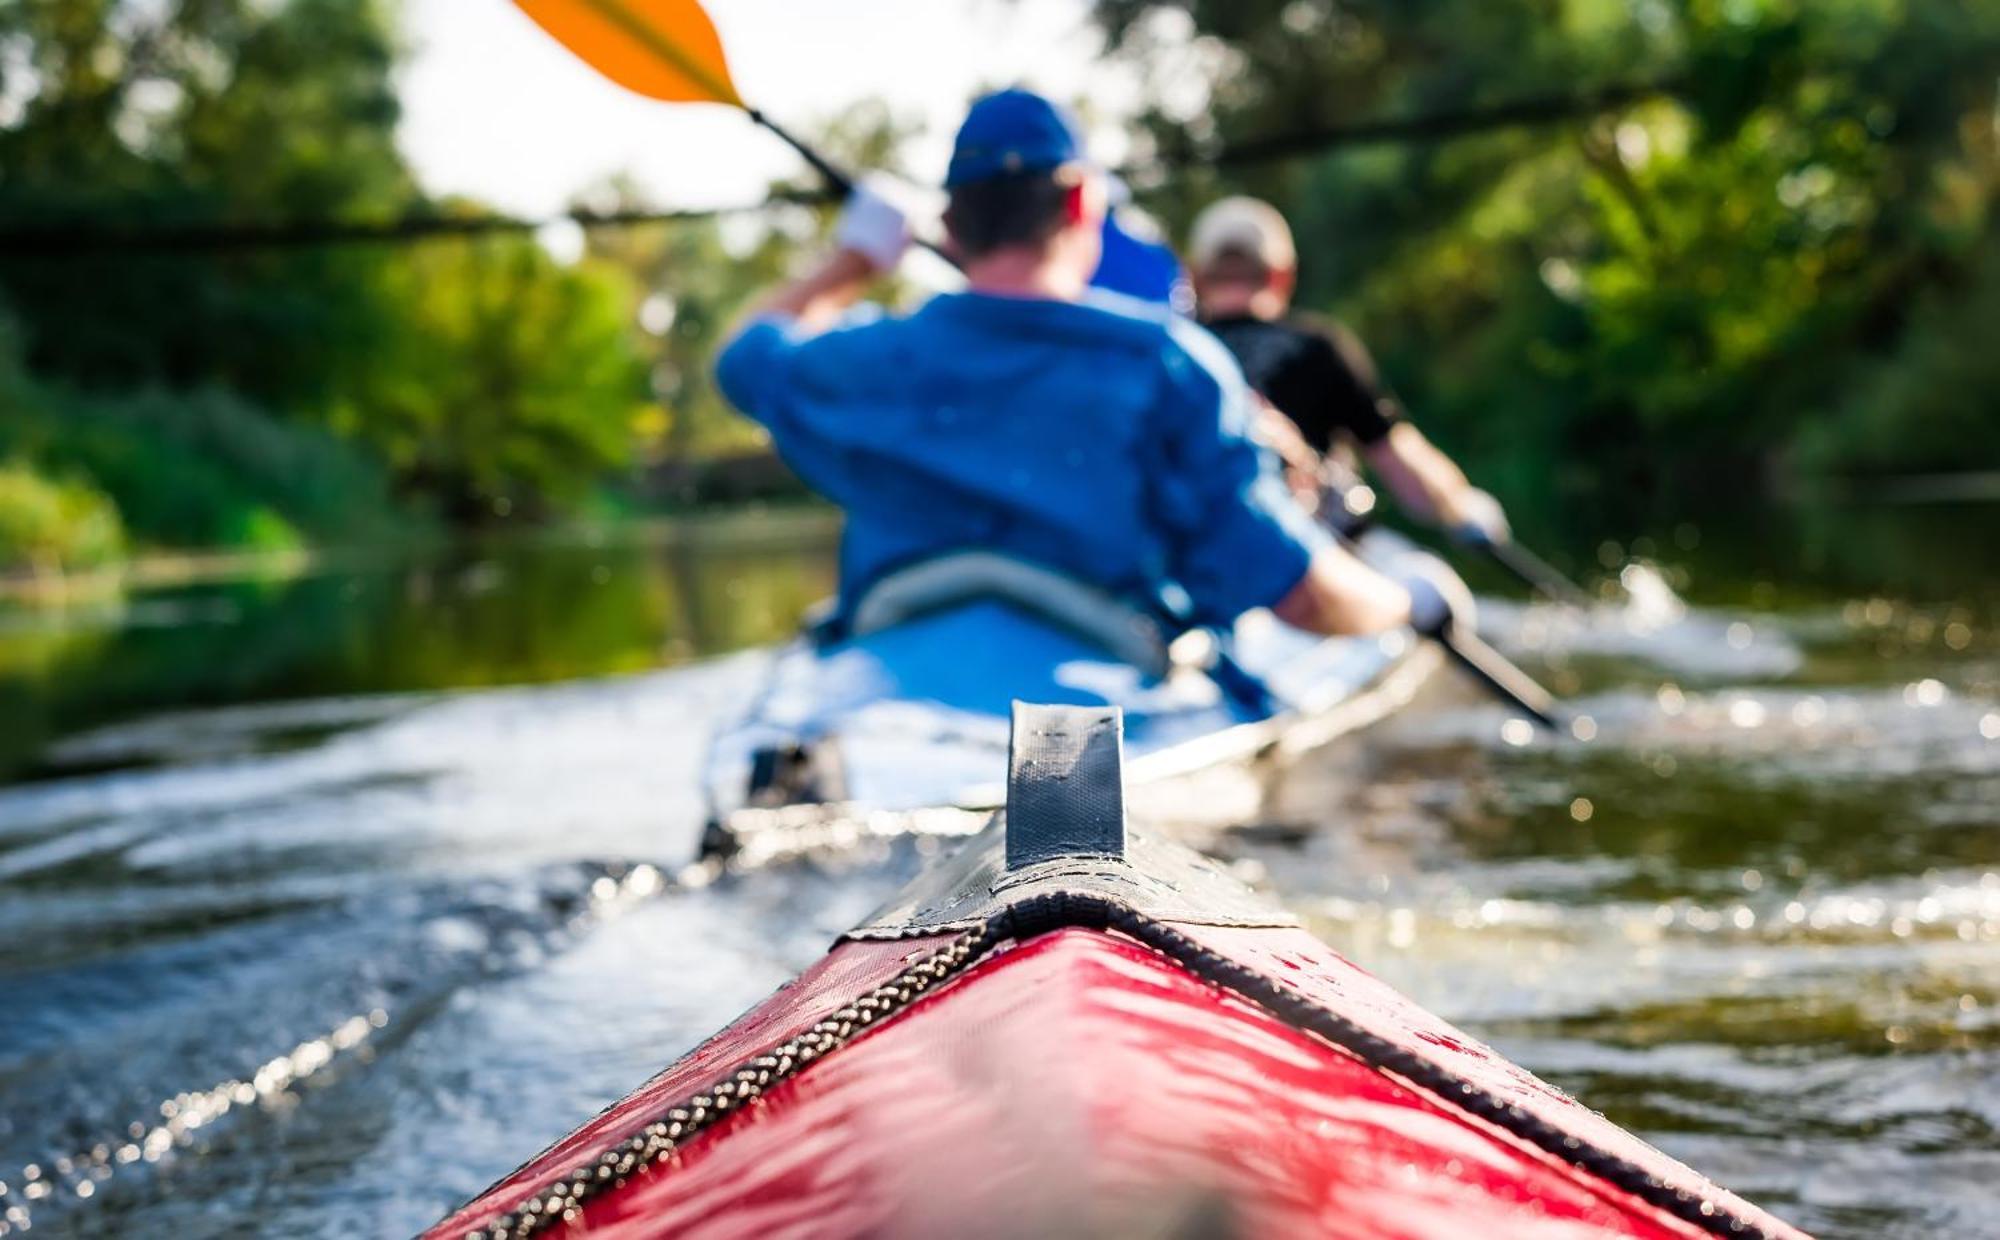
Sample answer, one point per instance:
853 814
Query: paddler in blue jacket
1032 415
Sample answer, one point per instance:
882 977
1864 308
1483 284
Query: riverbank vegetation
1635 248
212 395
1661 247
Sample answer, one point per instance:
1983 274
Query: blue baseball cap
1012 131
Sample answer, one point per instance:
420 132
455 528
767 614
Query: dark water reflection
508 612
307 924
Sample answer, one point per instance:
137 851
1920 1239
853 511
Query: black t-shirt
1318 375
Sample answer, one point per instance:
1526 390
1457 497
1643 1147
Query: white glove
873 226
1481 521
1430 612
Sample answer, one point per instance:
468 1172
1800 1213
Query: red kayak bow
1066 1030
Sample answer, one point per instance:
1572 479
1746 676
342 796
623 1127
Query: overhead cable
72 239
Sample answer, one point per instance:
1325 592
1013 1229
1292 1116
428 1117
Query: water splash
1649 624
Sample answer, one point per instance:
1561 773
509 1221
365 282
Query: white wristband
874 228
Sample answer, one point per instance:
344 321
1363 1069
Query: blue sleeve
750 369
774 368
1237 539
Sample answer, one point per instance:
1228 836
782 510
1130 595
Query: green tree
48 525
203 388
216 111
688 287
512 384
1669 290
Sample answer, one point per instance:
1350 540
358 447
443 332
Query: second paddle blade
662 49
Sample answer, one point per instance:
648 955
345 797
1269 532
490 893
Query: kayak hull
1067 1027
1012 1053
1078 1084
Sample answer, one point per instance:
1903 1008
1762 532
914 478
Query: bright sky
495 109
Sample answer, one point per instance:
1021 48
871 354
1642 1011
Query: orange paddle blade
663 49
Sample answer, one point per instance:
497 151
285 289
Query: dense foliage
512 384
224 111
1774 252
257 396
52 526
196 468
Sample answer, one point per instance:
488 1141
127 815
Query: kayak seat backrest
1122 630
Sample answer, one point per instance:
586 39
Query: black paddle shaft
1500 677
1536 573
842 183
836 177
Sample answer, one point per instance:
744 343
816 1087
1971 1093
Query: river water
326 901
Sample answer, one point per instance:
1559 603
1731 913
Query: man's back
1316 373
1245 267
1028 417
1103 438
